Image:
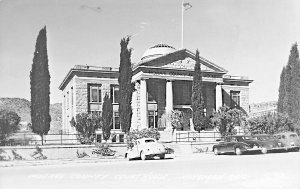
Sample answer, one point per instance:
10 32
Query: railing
203 136
28 139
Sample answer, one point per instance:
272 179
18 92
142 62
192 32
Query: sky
246 37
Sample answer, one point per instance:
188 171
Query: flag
186 6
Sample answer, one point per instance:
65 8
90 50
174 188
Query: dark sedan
271 143
231 145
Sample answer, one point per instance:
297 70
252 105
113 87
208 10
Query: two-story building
163 82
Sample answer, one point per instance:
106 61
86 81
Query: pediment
187 64
182 59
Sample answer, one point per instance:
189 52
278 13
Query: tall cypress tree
125 86
107 117
289 82
40 87
197 97
295 84
281 91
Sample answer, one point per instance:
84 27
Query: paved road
281 170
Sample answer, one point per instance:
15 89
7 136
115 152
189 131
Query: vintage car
251 141
290 139
270 143
231 145
145 148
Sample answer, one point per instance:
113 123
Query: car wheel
264 150
127 157
238 151
162 156
143 155
216 151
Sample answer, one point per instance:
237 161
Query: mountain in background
22 108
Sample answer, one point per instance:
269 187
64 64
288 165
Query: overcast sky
246 37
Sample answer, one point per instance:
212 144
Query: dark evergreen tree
288 83
282 93
107 117
295 84
40 87
126 89
197 97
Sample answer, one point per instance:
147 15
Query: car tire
264 150
143 156
216 151
238 151
127 157
162 156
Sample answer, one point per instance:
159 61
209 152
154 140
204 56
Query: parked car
231 145
145 148
270 143
252 142
290 139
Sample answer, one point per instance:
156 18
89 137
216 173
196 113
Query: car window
149 140
248 138
293 136
278 136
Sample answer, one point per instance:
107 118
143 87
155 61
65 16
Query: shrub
9 122
86 125
226 119
270 124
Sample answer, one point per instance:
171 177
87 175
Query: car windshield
149 140
264 137
293 136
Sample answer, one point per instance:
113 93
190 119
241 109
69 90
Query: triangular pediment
182 59
187 64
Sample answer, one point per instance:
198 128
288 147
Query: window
95 92
121 138
67 100
114 138
114 93
99 138
94 98
152 119
116 121
235 99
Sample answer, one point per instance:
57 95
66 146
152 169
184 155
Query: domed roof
156 51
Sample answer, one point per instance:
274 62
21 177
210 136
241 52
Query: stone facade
162 84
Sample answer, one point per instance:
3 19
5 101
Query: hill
22 108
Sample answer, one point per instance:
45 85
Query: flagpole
182 11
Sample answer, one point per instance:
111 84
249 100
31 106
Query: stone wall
244 96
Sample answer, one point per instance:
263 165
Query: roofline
72 70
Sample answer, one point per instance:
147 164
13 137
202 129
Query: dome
156 51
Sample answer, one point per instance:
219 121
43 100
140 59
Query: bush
9 122
86 125
270 124
132 136
226 119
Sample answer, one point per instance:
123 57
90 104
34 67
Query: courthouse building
163 82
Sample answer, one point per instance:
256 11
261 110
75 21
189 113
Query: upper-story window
235 99
95 93
114 93
94 98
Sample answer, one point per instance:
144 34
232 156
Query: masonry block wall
244 96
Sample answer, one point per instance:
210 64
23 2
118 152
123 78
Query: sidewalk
14 163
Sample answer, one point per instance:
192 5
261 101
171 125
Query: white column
143 105
169 102
219 101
